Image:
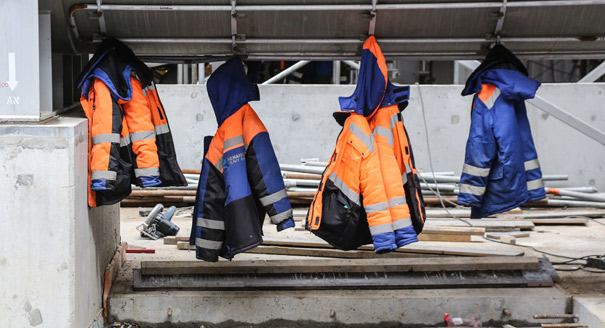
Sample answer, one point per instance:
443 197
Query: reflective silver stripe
533 164
476 171
274 197
233 142
373 208
108 137
210 224
150 87
125 141
408 168
535 184
492 100
382 131
352 195
397 201
146 172
394 119
473 190
402 223
404 178
162 129
382 228
219 164
107 175
208 244
279 217
142 135
368 140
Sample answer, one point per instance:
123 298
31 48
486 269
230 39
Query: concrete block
310 308
53 248
591 311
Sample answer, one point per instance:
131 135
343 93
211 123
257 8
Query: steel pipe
302 168
286 72
301 183
561 202
579 195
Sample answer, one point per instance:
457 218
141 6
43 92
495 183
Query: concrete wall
301 126
53 249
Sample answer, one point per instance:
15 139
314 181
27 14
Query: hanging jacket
350 206
370 105
379 101
129 137
240 180
501 169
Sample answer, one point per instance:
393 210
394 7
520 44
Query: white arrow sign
12 82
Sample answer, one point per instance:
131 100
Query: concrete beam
369 308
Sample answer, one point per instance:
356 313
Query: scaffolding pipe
352 64
562 202
286 72
594 75
579 195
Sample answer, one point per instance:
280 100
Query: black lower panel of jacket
412 188
170 172
120 162
344 224
243 226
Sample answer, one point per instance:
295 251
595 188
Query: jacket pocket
342 220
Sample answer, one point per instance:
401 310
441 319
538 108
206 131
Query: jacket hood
512 84
373 87
113 63
498 58
229 89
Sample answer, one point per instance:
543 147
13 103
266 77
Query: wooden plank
445 238
578 221
381 265
487 224
414 248
509 239
516 234
453 231
172 240
562 214
325 252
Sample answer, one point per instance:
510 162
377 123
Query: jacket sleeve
266 181
142 136
481 151
373 193
208 225
105 138
393 183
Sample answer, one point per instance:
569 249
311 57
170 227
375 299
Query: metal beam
286 72
594 75
556 111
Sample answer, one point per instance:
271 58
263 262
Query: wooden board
414 248
562 214
577 221
516 234
453 231
325 252
487 224
445 238
382 265
172 240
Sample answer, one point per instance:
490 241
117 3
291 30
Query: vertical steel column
336 72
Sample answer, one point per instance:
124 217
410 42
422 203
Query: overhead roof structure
321 29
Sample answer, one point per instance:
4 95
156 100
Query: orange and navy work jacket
240 180
350 207
129 137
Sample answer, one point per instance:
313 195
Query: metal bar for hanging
500 22
372 27
233 25
594 75
102 26
286 72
